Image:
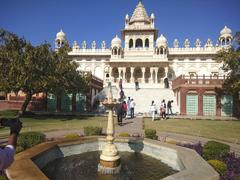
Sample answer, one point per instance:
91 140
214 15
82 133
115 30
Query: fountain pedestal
110 159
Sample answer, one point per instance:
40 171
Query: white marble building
144 56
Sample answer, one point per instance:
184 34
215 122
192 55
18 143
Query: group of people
125 109
163 109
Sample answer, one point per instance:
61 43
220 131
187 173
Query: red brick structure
200 86
39 101
11 101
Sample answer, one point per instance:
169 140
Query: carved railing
198 80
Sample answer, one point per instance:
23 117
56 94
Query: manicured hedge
92 131
219 166
72 136
30 139
124 134
151 134
215 150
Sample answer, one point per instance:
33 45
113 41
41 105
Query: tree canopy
34 69
230 58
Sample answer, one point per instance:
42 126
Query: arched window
147 43
115 51
228 41
139 43
161 50
130 43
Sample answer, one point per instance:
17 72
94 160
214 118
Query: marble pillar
132 78
143 74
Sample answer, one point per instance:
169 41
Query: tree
35 69
71 80
230 58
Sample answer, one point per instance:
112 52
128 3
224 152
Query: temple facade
143 57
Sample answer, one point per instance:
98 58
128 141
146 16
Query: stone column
156 72
110 74
124 74
151 77
143 74
119 73
166 71
132 78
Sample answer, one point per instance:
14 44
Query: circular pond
85 166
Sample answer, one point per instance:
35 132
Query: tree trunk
25 103
74 107
58 108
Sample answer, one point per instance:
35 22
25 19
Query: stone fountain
110 159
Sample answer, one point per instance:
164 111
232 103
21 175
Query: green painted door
51 102
226 105
66 103
80 102
209 105
192 104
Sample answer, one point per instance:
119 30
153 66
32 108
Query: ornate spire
140 14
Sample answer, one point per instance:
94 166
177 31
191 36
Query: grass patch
228 131
55 123
8 113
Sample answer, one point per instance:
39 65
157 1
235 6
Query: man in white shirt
152 110
7 153
132 106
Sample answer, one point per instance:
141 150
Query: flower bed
230 159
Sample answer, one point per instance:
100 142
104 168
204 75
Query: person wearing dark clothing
166 83
119 113
125 108
136 85
169 107
163 109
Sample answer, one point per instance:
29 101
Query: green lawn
221 130
54 123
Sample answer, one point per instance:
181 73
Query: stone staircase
144 96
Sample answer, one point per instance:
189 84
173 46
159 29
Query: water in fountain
84 166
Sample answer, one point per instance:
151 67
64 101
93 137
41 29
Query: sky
40 20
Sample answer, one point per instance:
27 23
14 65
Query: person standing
163 109
128 107
124 105
169 107
119 114
132 107
153 110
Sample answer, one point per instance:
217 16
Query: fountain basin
28 164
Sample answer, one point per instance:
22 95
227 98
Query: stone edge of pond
190 165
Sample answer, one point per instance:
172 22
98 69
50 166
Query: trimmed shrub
3 178
72 136
124 134
215 150
30 139
151 134
219 166
19 149
91 131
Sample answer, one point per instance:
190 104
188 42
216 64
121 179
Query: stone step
144 96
